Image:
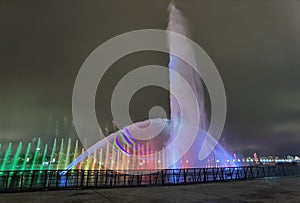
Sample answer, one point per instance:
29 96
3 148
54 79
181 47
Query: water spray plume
36 154
171 144
5 159
26 156
16 157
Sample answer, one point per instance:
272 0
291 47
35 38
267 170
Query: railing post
57 177
6 182
45 179
88 178
222 174
96 178
115 178
82 178
77 178
252 171
231 173
22 177
67 176
174 180
124 177
105 182
204 175
141 178
238 172
32 179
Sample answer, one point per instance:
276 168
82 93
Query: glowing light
117 144
5 160
36 154
26 158
127 139
124 141
16 157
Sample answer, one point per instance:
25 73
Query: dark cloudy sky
254 44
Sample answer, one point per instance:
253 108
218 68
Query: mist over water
163 143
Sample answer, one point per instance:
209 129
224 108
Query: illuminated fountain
124 149
17 157
26 157
150 144
5 159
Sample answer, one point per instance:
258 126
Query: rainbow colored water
37 156
122 151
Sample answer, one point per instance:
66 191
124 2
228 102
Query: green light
61 155
36 153
5 160
44 157
67 162
52 154
16 157
26 158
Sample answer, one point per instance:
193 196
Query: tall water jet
61 158
16 157
44 157
76 150
106 155
6 156
26 157
67 160
100 159
36 153
52 156
88 162
188 124
81 163
76 153
204 143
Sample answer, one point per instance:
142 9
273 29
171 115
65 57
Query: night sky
254 44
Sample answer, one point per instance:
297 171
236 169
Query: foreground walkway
279 189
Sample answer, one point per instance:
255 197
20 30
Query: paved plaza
283 189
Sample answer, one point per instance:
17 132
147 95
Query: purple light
126 138
117 144
131 136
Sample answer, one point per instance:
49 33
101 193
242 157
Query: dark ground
284 189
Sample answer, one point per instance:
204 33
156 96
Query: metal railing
13 181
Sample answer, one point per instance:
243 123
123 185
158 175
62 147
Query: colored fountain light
16 157
123 150
26 158
36 153
5 159
52 159
44 157
126 138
